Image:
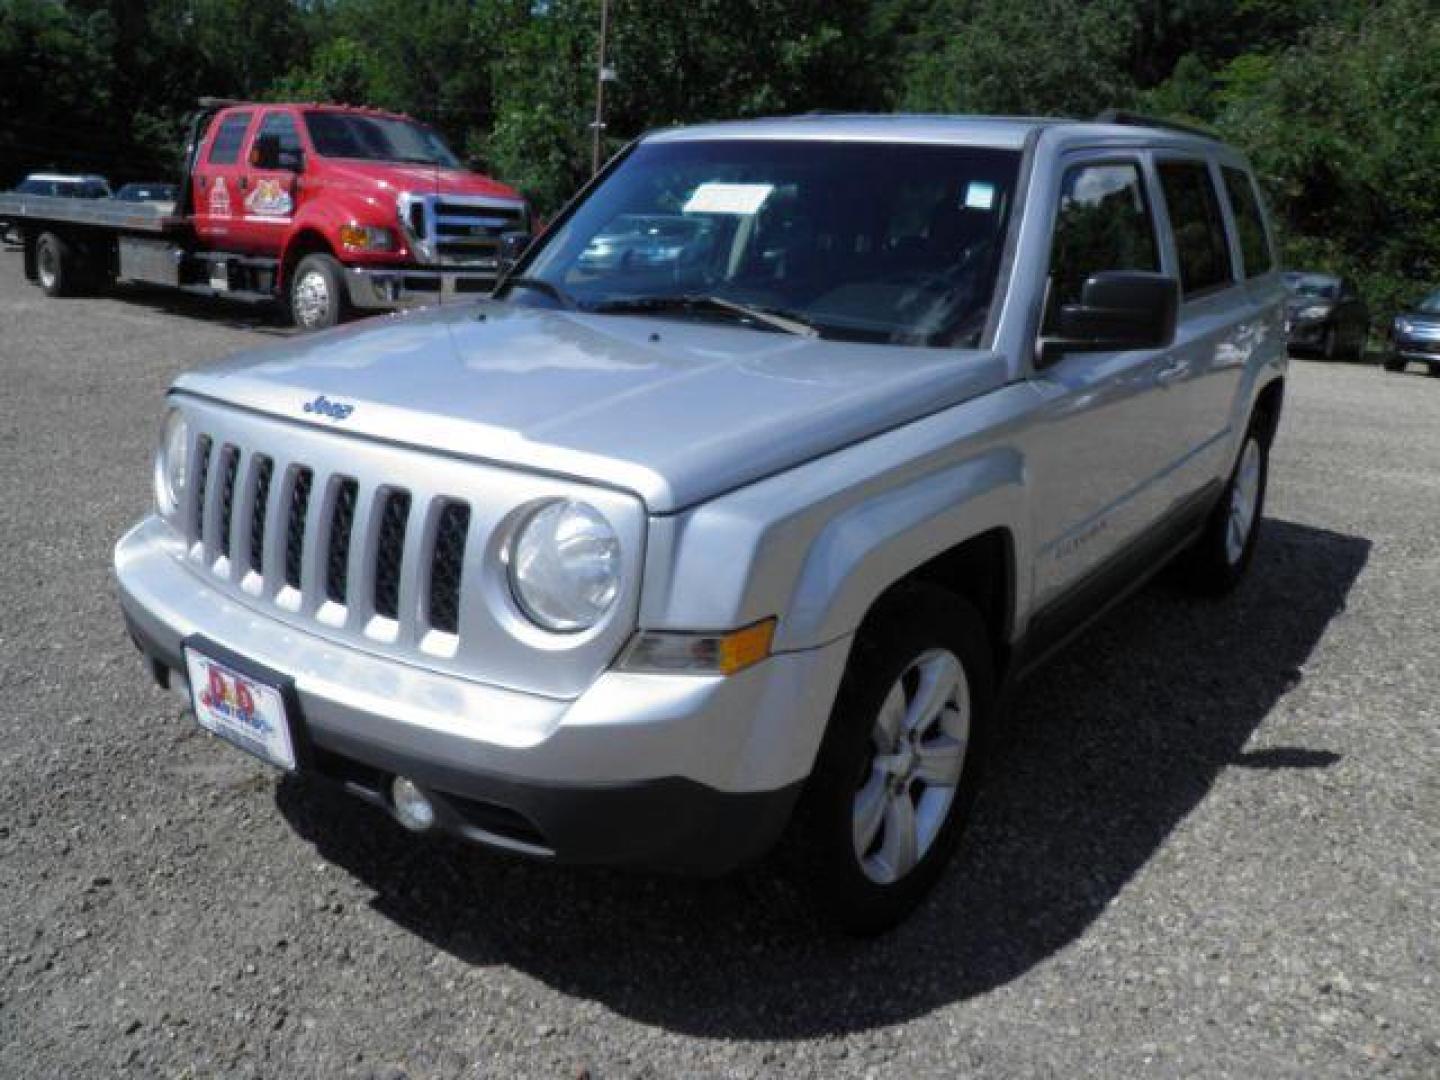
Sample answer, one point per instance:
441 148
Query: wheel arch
306 241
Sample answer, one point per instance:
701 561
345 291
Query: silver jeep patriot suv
768 468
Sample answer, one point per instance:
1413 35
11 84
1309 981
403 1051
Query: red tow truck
323 208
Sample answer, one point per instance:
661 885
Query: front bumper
1419 350
1306 334
682 772
377 288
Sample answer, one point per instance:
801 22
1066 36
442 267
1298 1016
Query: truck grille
294 530
460 231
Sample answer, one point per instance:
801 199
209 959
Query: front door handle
1170 369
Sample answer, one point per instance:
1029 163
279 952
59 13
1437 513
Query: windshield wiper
543 286
785 321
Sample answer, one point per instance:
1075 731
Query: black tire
55 268
1394 363
1434 370
316 298
1215 564
1330 349
914 624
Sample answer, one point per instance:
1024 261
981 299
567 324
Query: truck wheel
317 293
1394 363
897 773
1220 557
55 268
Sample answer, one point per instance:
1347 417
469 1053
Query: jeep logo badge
323 406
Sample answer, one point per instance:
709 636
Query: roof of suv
1006 132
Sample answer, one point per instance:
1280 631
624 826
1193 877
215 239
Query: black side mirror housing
512 246
1118 310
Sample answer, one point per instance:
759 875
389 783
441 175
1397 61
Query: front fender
818 544
862 551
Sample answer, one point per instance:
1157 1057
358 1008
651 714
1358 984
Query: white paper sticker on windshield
728 198
979 196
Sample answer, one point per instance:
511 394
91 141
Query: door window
1103 223
282 126
226 147
1249 222
1199 229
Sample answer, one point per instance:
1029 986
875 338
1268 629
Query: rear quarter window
1249 222
1198 226
226 147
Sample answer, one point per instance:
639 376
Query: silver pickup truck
736 511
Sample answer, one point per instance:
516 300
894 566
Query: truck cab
379 205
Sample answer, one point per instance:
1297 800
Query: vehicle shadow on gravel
1113 744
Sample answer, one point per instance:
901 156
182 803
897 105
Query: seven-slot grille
274 511
461 230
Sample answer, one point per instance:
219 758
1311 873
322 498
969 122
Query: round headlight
565 566
170 462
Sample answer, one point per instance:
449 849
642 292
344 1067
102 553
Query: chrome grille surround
395 550
459 231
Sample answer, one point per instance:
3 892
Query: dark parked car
159 194
1325 314
1415 336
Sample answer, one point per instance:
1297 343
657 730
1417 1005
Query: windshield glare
896 243
376 138
1320 288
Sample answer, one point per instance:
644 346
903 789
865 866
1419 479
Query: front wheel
898 770
317 293
1220 557
1394 363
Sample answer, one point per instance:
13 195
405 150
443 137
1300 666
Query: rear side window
226 147
1199 228
1103 223
1249 222
282 126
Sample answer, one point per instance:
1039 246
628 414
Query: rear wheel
1220 557
317 292
1394 363
55 267
898 771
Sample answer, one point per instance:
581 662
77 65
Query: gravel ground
1209 845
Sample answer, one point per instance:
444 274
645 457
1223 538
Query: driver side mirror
1118 310
512 246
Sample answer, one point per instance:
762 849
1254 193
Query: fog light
413 809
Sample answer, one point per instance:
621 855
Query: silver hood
675 411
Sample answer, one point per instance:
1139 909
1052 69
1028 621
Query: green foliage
1337 101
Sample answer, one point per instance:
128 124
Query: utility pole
602 76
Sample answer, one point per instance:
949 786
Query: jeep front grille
302 531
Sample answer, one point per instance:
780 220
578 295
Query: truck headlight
1402 326
367 238
170 462
1314 311
564 566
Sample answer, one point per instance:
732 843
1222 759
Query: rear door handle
1170 369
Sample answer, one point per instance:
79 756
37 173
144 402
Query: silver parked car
648 563
1415 336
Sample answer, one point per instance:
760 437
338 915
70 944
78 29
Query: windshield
1430 305
1319 287
896 243
377 138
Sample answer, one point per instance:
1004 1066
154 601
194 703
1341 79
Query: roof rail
1134 119
217 102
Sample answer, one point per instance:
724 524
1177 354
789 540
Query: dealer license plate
241 710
